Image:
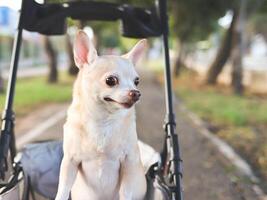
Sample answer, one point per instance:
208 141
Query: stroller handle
50 19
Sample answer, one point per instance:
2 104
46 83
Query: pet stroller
38 169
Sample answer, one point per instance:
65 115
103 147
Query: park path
207 175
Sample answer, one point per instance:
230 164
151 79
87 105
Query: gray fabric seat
41 163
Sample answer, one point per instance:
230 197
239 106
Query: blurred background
219 65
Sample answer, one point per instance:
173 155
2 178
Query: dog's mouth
127 104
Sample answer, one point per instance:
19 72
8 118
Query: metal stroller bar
171 143
7 140
137 22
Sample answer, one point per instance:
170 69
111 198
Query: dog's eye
112 81
136 81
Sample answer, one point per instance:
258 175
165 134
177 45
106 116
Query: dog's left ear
137 51
83 49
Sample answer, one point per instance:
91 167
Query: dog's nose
135 95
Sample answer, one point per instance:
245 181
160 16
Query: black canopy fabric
50 19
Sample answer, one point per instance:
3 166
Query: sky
14 4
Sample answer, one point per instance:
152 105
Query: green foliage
258 19
34 92
256 23
194 20
107 33
127 43
223 109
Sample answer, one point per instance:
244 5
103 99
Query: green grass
34 92
240 120
216 104
223 108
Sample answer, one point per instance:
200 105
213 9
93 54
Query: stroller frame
149 22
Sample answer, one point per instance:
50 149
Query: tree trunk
179 60
1 83
1 79
52 60
223 53
73 70
237 72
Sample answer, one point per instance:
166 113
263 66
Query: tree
234 39
179 60
192 21
51 54
258 19
1 83
52 60
238 43
72 69
223 53
1 78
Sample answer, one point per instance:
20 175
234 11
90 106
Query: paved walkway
207 175
25 72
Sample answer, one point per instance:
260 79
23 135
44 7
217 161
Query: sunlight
225 21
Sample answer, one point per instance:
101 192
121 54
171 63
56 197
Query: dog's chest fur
107 136
99 147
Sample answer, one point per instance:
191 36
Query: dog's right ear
137 51
83 49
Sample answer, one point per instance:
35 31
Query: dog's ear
136 52
83 49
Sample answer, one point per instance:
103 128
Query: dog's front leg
132 178
68 172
